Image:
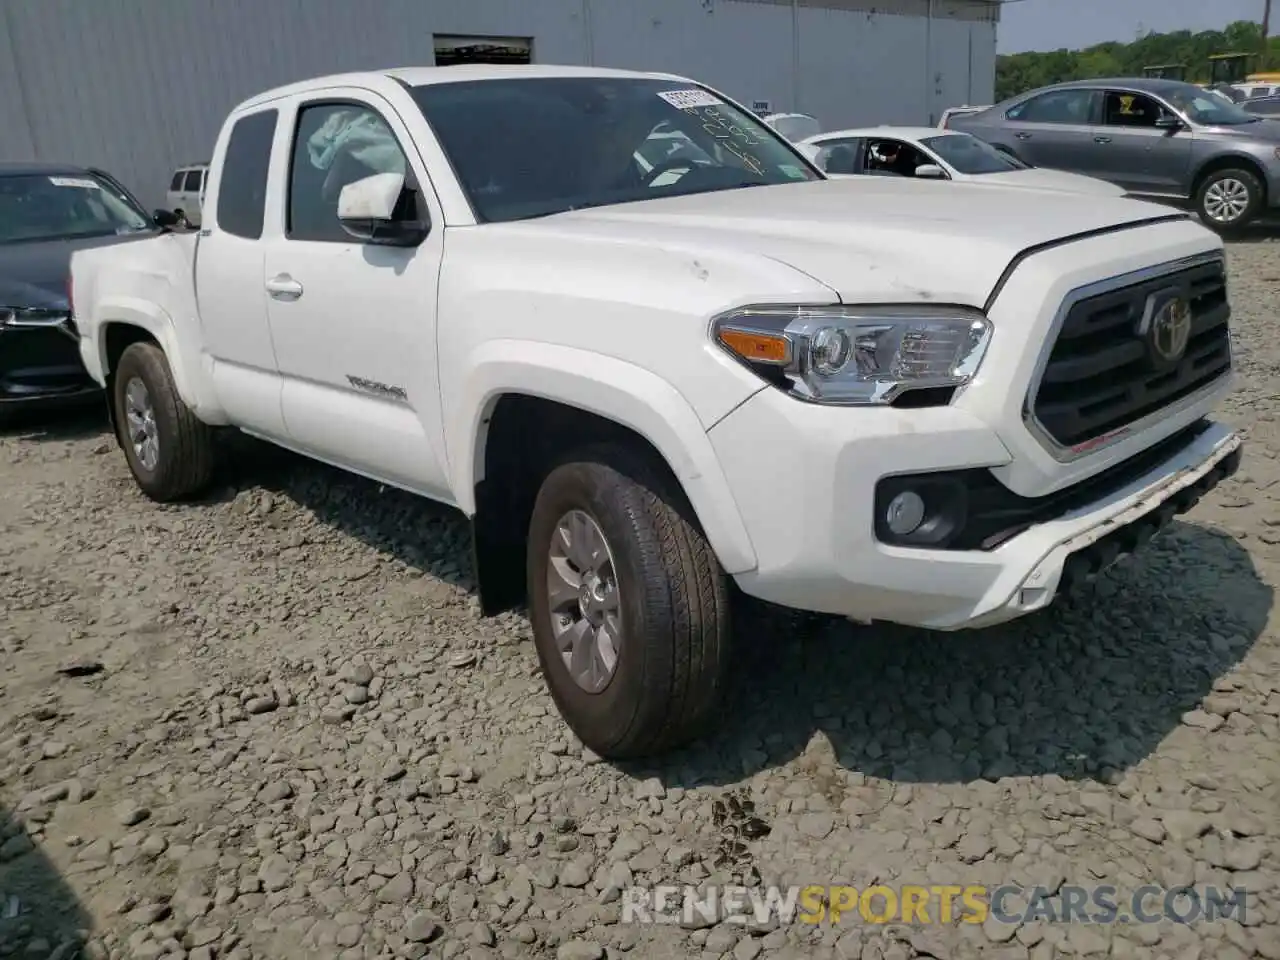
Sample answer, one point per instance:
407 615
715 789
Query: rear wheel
629 606
1228 199
169 450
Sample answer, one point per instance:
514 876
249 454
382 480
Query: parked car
944 122
928 153
186 192
794 126
1254 91
1263 107
1158 138
46 212
863 397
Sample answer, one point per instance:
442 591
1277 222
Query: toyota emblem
1167 326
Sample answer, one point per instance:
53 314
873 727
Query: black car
46 213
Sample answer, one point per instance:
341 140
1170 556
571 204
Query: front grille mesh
1100 376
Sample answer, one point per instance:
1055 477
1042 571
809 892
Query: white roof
902 133
418 76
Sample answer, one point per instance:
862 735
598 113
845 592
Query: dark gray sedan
1162 139
47 212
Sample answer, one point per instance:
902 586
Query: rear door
1136 153
228 275
1056 129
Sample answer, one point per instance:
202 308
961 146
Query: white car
868 397
794 126
186 192
930 153
963 111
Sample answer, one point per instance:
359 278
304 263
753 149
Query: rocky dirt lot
271 726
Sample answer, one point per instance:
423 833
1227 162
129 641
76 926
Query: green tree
1018 72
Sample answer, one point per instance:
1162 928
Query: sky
1053 24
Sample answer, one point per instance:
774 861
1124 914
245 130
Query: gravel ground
271 726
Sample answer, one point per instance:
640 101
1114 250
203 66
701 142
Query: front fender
610 388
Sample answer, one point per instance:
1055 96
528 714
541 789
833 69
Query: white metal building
140 87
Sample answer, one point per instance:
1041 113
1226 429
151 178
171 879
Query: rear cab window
242 188
176 184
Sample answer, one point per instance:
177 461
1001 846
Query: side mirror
165 219
930 171
380 210
1169 123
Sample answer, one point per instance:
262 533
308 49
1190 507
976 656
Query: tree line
1018 72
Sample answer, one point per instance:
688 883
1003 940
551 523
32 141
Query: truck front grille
1108 368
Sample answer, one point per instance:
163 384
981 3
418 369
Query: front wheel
629 606
170 452
1228 199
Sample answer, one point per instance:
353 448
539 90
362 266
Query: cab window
1122 109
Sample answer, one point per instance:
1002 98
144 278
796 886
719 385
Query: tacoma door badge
377 389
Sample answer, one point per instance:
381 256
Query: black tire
1250 183
185 462
673 662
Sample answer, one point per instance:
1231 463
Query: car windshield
970 155
1203 108
36 207
538 146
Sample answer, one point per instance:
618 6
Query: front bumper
811 517
40 367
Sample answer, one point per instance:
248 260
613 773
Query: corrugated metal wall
141 86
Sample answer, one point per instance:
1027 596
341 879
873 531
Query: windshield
1204 108
970 155
34 207
532 147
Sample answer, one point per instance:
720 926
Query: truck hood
871 238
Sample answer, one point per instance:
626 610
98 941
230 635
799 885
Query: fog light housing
924 510
905 512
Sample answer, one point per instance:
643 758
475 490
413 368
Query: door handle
284 287
1101 139
1023 136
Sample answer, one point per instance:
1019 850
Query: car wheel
629 606
1228 199
170 452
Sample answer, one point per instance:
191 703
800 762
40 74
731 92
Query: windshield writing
970 155
532 147
38 207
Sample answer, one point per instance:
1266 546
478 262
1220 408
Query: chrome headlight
857 354
32 317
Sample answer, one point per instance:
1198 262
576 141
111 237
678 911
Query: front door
354 324
1136 153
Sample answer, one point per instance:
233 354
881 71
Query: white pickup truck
650 385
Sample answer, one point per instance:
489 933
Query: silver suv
1162 139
